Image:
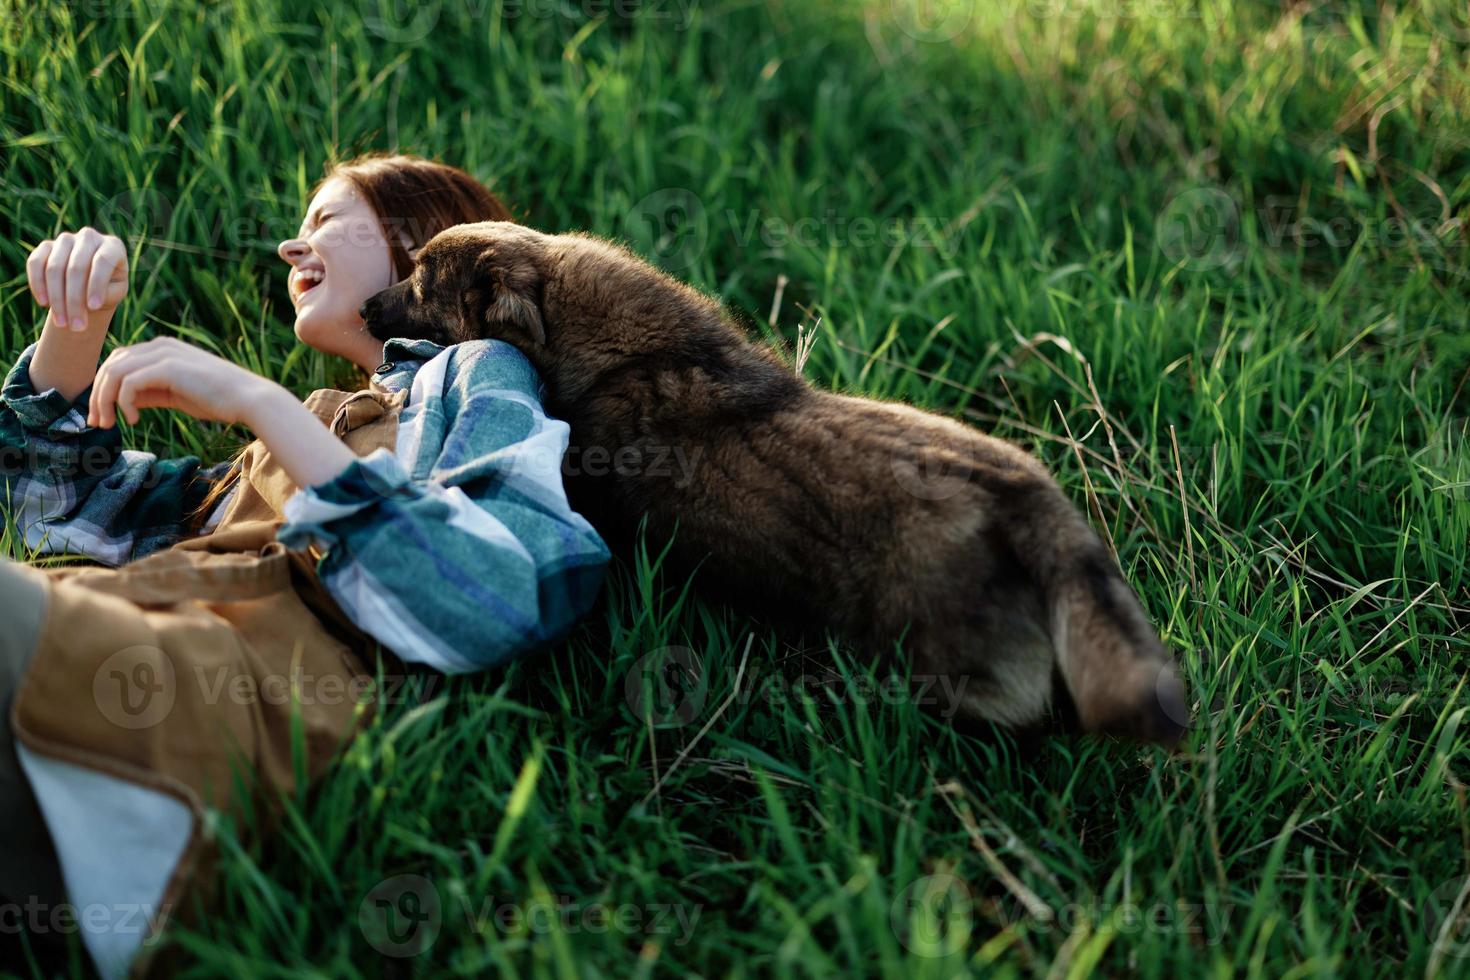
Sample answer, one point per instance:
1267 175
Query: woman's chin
341 336
316 328
306 330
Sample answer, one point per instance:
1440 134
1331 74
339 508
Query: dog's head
469 282
579 307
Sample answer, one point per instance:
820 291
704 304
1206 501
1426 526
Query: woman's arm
66 360
71 488
306 449
461 551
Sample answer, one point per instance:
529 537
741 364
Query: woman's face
338 259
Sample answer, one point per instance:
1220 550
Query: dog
902 530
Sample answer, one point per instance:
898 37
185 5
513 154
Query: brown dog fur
897 527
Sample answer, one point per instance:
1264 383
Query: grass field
1206 259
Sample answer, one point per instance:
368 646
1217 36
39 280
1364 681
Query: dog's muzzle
382 311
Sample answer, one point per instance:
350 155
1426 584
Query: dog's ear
502 299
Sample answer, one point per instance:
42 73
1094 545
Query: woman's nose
293 250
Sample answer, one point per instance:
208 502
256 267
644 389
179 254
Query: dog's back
878 519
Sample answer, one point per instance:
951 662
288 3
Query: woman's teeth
307 280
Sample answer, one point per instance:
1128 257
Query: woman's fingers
109 271
102 385
135 390
78 273
101 407
56 275
78 269
167 372
36 271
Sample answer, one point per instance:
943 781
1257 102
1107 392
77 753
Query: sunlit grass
1205 259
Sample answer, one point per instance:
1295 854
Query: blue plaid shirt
458 550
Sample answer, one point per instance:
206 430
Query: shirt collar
402 358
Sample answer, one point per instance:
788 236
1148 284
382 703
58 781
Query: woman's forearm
306 449
67 359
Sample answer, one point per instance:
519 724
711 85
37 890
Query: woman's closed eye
313 224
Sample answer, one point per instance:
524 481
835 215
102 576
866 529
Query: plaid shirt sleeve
70 488
460 551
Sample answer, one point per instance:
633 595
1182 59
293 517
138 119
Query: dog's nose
368 308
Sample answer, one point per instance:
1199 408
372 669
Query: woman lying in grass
424 513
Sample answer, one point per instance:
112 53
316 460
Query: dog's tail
1120 677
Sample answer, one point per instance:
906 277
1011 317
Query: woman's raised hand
168 373
81 276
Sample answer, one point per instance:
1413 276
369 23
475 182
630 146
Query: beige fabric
179 671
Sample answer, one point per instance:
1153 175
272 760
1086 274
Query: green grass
1205 259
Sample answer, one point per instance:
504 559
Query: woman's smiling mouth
304 281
